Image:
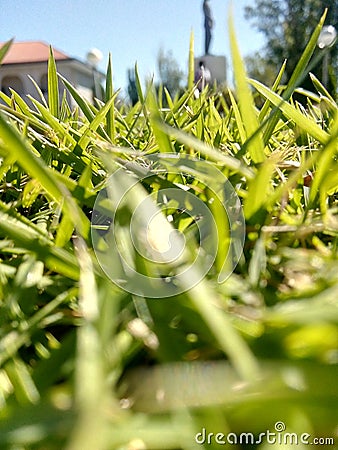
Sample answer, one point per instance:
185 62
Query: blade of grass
229 340
110 126
191 70
238 119
53 122
53 85
39 91
274 88
4 49
297 76
322 90
138 85
208 151
246 105
96 123
324 162
162 138
89 431
56 259
291 112
83 104
26 155
259 187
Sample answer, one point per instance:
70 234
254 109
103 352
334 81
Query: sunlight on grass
113 334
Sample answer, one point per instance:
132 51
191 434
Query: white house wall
78 74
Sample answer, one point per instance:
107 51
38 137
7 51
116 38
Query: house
31 58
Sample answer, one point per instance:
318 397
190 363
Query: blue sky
132 30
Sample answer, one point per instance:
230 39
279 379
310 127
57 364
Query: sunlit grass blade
300 69
24 386
53 122
322 90
4 49
110 126
162 138
84 106
13 341
55 259
208 152
259 188
229 340
324 163
90 397
138 85
39 91
96 123
291 112
297 76
246 104
26 155
21 104
191 69
274 88
53 86
239 123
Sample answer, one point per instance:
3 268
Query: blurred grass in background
85 365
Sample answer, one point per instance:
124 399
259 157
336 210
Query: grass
86 364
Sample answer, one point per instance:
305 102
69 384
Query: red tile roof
30 51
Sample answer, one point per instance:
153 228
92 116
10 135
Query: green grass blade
96 124
53 86
229 340
39 91
291 112
110 126
297 75
15 145
4 49
322 90
53 122
21 104
246 102
209 152
325 162
274 88
258 189
56 259
84 106
162 138
138 85
237 114
191 70
88 432
304 60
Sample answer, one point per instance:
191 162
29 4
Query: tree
288 25
132 90
170 73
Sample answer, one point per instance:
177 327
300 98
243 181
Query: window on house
13 82
44 84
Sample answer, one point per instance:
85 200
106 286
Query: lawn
168 271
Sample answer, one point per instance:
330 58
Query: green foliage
170 73
85 364
287 26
